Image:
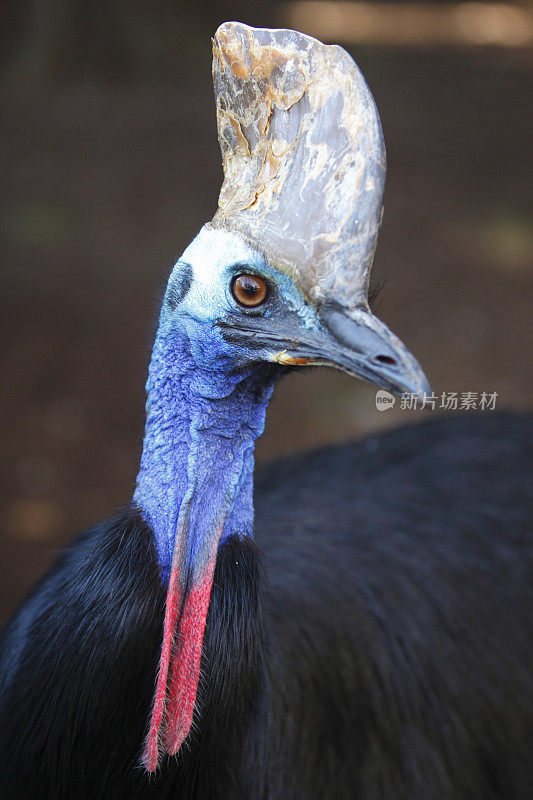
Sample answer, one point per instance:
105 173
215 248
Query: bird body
386 651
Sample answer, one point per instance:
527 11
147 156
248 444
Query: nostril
385 360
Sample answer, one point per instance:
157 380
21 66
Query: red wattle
150 756
185 670
179 667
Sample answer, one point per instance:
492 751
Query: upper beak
358 343
352 340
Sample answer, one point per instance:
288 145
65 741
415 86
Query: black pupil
250 286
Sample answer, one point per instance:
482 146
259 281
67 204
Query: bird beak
351 340
357 342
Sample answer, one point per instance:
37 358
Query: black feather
389 656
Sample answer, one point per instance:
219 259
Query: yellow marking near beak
284 358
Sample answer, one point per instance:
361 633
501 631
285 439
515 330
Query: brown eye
249 290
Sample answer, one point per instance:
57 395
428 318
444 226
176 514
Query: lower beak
357 342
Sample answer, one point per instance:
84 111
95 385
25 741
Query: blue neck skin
203 417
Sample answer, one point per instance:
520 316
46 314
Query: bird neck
194 489
203 417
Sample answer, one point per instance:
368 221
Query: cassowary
371 640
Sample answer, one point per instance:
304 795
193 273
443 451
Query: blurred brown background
111 167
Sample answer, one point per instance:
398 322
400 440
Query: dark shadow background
112 166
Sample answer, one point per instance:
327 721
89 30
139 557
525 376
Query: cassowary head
282 270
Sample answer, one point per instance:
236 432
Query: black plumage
386 654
